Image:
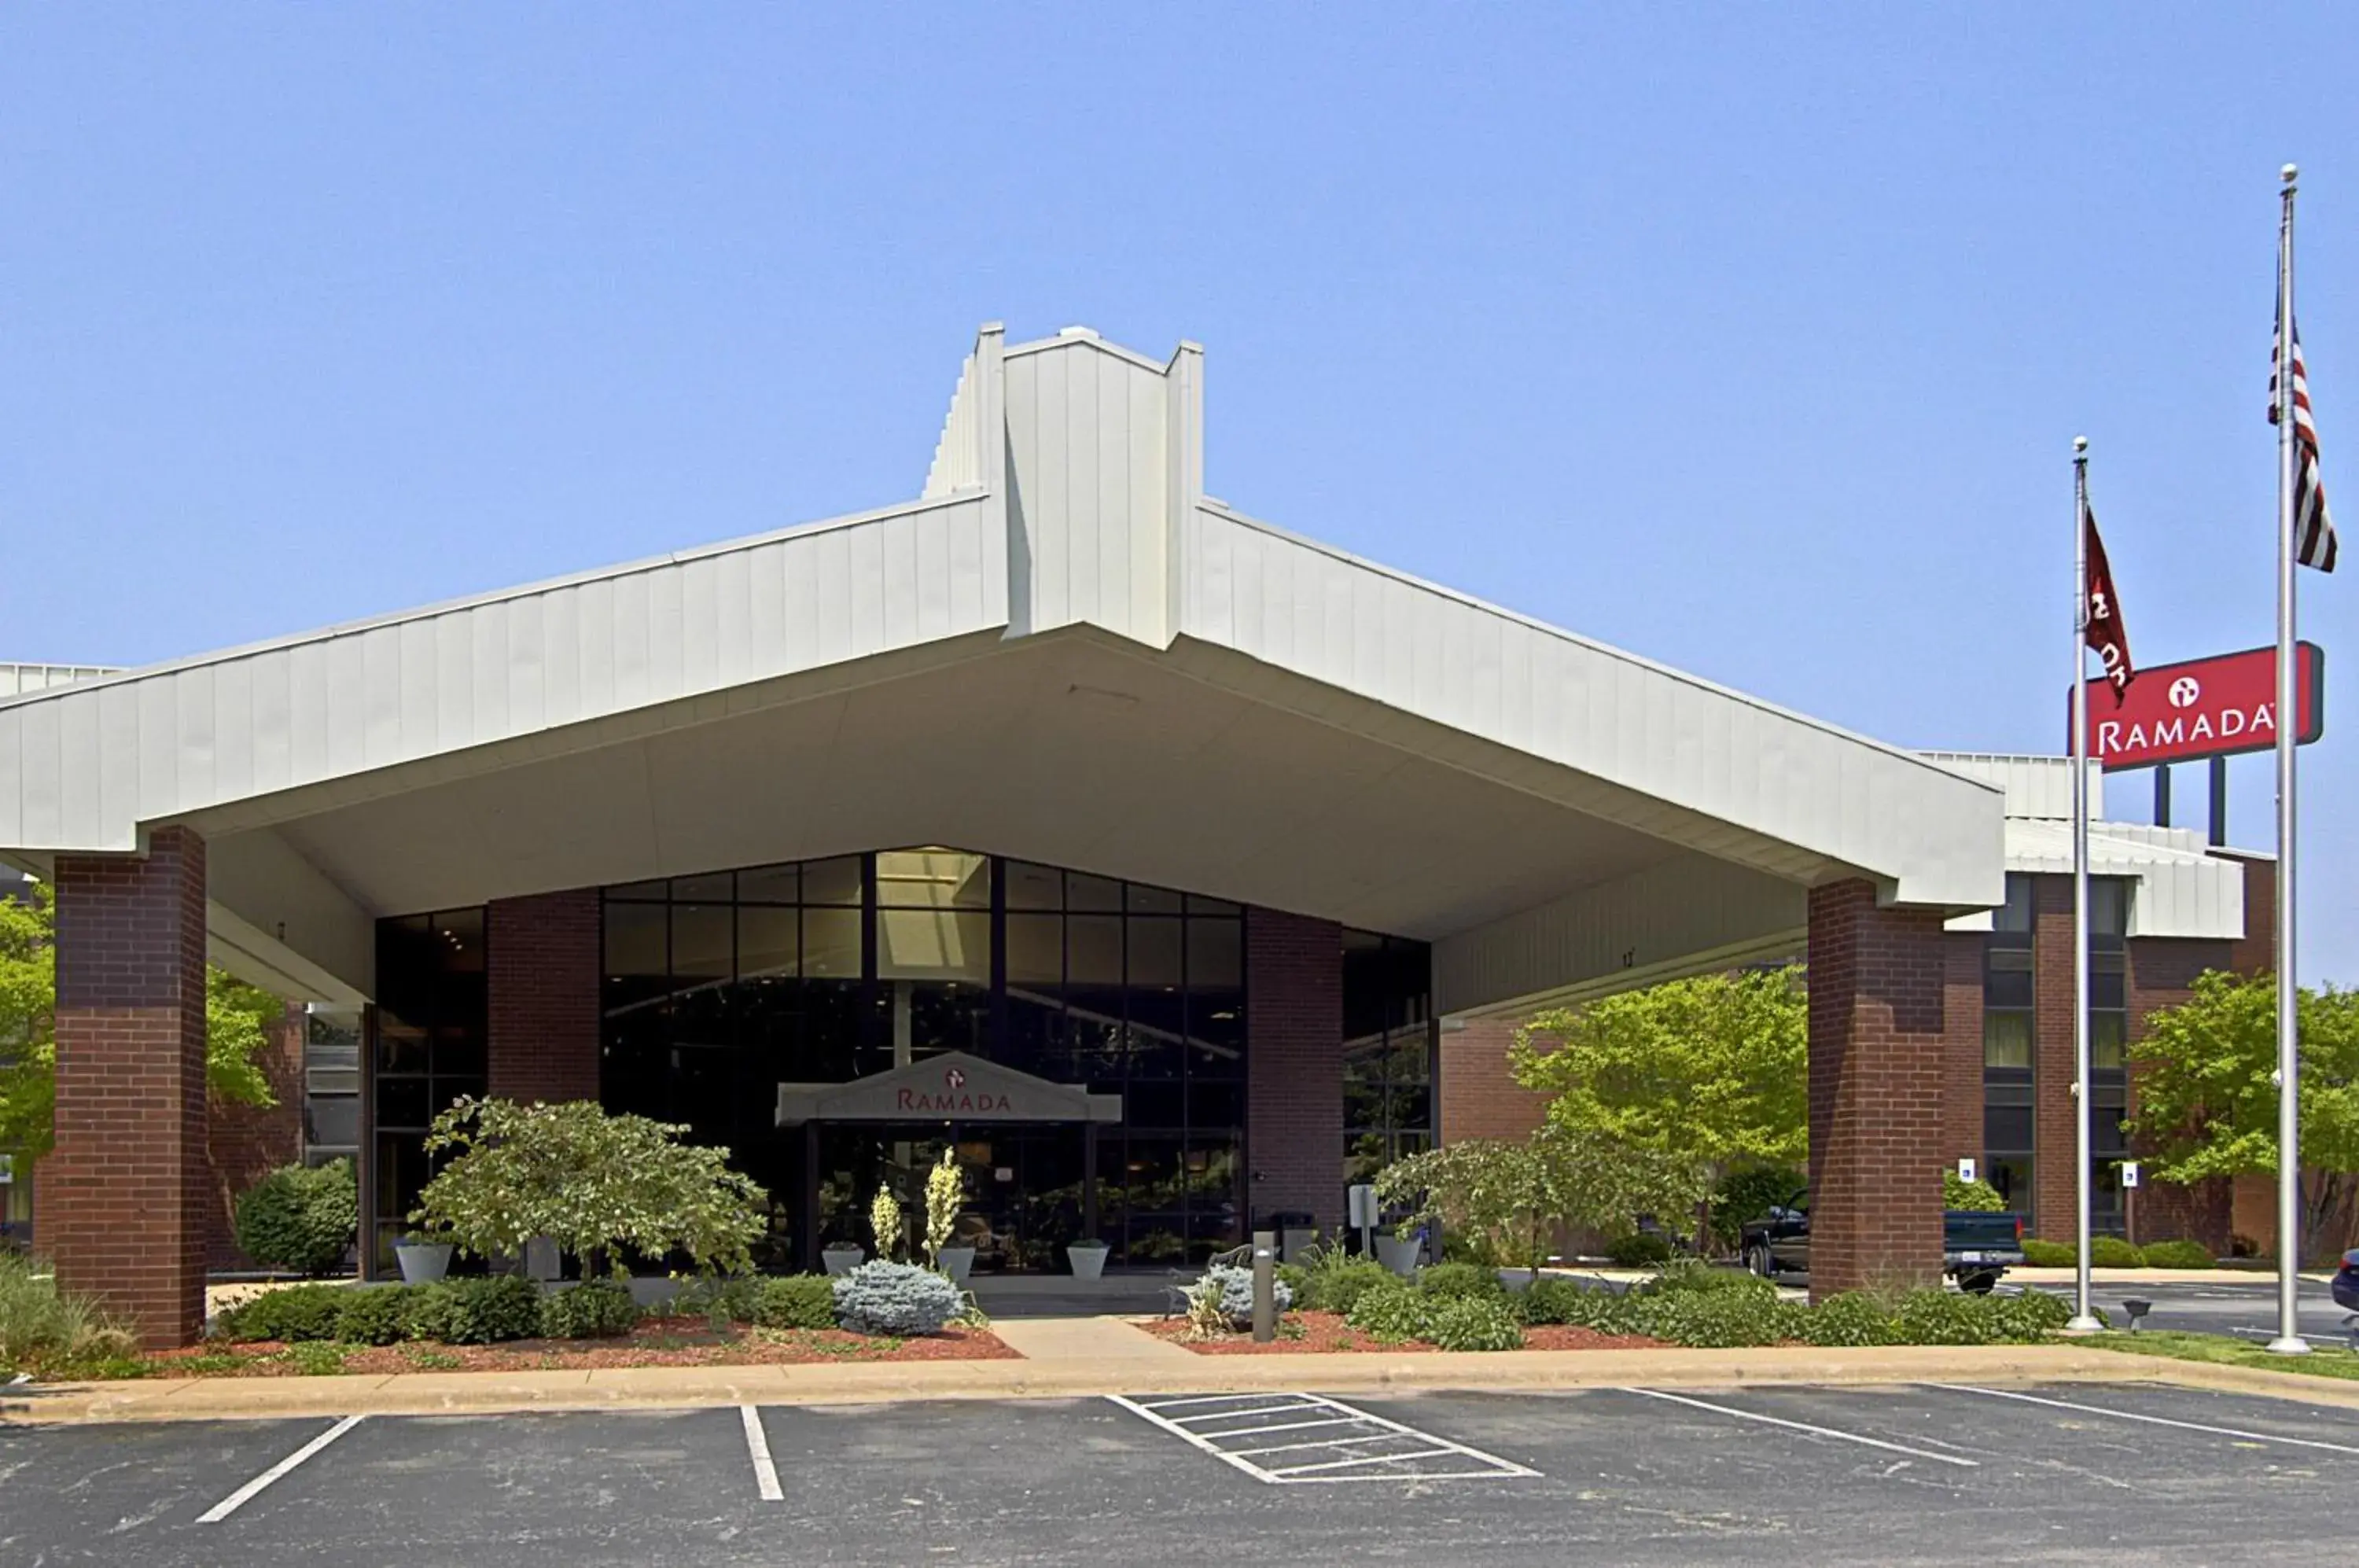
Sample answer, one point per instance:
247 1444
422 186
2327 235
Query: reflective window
429 1050
1387 1052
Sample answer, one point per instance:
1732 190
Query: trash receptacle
1297 1230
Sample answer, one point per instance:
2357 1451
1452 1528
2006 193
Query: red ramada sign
2205 707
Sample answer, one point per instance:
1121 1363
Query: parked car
1977 1246
2346 1283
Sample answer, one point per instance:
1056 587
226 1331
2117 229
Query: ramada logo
955 1099
2227 723
2185 692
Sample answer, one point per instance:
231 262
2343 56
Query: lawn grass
2220 1350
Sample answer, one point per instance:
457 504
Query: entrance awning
952 1086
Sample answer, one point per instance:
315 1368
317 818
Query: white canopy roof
1063 650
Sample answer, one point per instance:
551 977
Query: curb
489 1393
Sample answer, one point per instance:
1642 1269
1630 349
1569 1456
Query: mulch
655 1342
1323 1332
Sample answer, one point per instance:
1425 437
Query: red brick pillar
1294 1064
123 1199
542 959
1962 1016
1876 1079
2055 1126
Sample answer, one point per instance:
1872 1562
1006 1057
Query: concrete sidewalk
1078 1358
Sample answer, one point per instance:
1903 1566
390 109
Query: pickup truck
1977 1246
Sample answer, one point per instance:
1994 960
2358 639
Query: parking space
1796 1474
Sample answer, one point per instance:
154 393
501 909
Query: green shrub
301 1218
595 1309
2178 1254
1957 1192
42 1325
1559 1300
372 1315
1852 1317
473 1311
296 1314
1944 1317
799 1300
1295 1276
1716 1319
2029 1316
901 1299
720 1299
1694 1276
1458 1280
1472 1323
1339 1280
1391 1310
2049 1254
1639 1249
2112 1252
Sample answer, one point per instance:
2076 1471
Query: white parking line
2151 1421
1475 1465
247 1493
1805 1426
758 1446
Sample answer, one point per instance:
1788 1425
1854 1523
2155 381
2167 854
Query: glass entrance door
1027 1192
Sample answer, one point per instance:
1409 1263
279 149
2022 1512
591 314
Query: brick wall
1877 1076
542 956
1961 1049
243 1143
1479 1097
126 1196
2055 1131
1294 1064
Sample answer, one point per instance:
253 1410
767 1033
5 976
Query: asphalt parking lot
2244 1306
1788 1475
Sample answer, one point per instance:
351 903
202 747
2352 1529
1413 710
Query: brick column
2055 1126
1962 1017
541 956
125 1198
1294 1064
1876 1077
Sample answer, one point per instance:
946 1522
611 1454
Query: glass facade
1389 1051
2007 1035
719 987
430 1049
716 988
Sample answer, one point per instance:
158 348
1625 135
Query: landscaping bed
1317 1333
653 1342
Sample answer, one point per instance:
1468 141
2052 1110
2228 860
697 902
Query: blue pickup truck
1977 1246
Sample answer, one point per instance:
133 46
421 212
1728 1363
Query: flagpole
2288 1341
2082 1318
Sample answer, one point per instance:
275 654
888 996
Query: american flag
2314 530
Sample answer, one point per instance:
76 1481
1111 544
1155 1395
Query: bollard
1265 1265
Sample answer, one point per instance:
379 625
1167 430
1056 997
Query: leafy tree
2207 1099
1710 1073
1510 1197
1957 1192
237 1020
596 1184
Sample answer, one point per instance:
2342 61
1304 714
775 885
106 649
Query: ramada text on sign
2205 707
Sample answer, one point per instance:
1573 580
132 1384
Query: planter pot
955 1261
1396 1255
1088 1260
422 1263
840 1259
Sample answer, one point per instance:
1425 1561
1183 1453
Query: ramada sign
954 1099
2206 707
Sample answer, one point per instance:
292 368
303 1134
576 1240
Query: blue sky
1749 339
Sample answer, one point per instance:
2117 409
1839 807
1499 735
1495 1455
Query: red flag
2101 612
